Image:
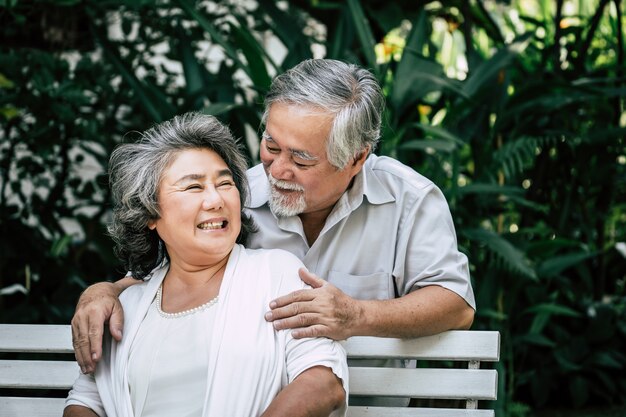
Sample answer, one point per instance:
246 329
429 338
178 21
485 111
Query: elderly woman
196 342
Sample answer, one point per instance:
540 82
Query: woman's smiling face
200 209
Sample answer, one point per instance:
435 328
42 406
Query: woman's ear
151 224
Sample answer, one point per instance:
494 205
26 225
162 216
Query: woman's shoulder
280 256
278 266
133 293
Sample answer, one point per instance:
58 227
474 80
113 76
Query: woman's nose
212 200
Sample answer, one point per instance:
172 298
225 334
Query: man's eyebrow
295 152
303 155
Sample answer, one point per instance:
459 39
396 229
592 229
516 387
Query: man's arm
325 311
315 392
78 411
98 304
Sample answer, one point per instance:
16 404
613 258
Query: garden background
514 108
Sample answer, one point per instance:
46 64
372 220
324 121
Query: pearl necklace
183 313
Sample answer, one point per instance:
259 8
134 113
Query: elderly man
380 234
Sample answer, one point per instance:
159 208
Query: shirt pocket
376 286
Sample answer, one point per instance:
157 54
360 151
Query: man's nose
280 168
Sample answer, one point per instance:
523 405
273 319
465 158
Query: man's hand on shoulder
324 311
97 305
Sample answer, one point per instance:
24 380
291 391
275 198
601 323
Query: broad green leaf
579 390
484 20
9 112
364 33
413 49
216 109
5 82
491 314
513 258
128 76
567 364
485 74
255 55
608 360
441 133
485 188
536 339
191 67
338 44
215 35
604 136
422 145
59 246
425 76
557 264
539 322
553 309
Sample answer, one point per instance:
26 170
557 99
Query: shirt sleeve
428 250
303 354
84 392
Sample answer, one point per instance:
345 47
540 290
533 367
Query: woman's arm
78 411
315 392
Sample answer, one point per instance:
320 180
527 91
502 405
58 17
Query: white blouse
167 348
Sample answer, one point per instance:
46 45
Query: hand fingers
294 297
310 279
295 309
96 330
80 341
116 322
298 321
315 331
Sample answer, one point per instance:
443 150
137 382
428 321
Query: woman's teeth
211 225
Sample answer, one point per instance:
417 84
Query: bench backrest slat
459 384
433 382
38 374
459 345
31 407
50 338
359 411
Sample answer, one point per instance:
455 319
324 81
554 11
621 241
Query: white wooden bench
54 376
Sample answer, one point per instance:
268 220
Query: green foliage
515 113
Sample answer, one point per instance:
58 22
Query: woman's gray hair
350 93
135 173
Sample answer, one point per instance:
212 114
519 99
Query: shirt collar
368 184
365 183
259 186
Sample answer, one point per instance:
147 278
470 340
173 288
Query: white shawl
249 361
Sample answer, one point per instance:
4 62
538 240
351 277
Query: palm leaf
148 103
511 257
516 155
216 36
557 264
553 309
255 56
364 33
485 74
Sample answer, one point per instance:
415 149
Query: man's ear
360 158
359 161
